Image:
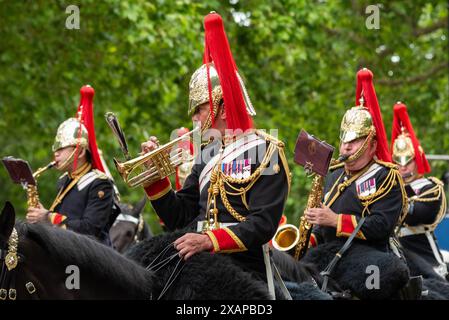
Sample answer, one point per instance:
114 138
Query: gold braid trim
219 180
336 166
389 182
438 189
343 185
388 164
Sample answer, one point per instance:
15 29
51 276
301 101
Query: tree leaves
298 58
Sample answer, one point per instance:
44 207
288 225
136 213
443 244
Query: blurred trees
299 60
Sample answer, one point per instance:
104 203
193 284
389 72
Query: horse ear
7 221
138 208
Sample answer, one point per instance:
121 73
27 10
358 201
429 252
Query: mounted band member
235 194
365 184
84 202
426 197
363 195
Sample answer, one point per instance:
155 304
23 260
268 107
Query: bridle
10 259
138 222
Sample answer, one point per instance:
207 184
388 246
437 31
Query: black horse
394 273
130 227
46 256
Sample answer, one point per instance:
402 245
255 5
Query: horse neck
63 278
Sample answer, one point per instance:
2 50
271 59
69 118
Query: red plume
402 120
365 85
217 50
86 108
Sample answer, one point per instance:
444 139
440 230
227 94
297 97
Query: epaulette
387 164
336 166
270 138
100 174
437 181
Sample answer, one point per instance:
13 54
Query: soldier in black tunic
365 189
426 197
234 197
84 202
364 184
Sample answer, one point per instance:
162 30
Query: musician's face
61 157
201 113
408 171
350 148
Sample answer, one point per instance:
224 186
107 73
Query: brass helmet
199 92
356 123
69 135
403 150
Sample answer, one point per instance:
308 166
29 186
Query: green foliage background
299 59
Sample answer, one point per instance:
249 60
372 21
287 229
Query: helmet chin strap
68 162
411 176
360 151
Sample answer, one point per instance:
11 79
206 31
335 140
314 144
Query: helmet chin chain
68 162
360 151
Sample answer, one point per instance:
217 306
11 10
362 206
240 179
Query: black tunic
381 216
421 214
265 199
88 205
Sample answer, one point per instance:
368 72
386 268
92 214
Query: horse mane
68 247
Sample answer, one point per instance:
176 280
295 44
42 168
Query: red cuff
158 189
313 241
346 224
224 240
57 218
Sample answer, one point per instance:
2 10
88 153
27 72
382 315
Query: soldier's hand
323 216
35 215
148 146
192 243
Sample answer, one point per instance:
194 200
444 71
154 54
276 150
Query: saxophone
305 228
32 194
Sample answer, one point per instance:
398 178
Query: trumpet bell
155 165
286 238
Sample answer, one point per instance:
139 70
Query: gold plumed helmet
356 123
403 150
199 92
68 135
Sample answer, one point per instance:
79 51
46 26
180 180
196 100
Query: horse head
129 227
53 263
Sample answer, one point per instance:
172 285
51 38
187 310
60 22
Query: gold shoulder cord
219 181
393 178
386 186
63 192
438 192
342 186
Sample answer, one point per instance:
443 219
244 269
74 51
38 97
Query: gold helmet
69 134
356 123
403 150
405 144
199 92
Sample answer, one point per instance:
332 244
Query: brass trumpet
152 166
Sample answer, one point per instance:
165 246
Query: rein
163 259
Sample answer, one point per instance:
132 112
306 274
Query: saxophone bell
286 238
